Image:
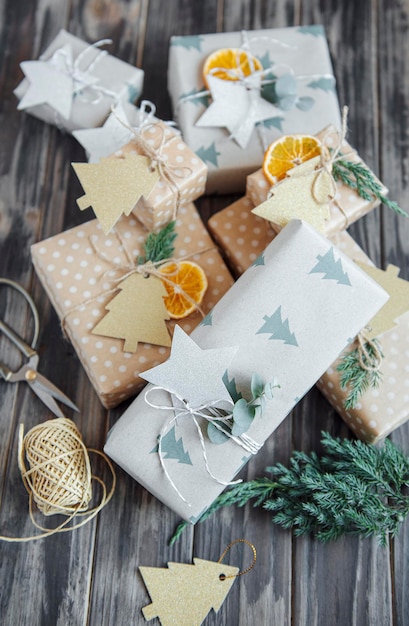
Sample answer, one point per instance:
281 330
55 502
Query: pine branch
159 246
353 489
360 178
354 377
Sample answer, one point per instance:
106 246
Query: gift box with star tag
258 85
174 173
226 388
384 406
329 198
74 84
116 317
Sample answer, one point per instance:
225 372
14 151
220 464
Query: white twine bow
212 413
82 77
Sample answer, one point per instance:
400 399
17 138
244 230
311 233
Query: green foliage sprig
243 414
159 246
354 377
358 177
353 489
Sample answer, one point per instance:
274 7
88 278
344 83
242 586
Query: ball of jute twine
58 478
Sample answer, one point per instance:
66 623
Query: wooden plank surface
90 576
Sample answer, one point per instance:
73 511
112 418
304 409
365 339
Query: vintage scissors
42 387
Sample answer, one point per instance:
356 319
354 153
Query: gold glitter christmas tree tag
114 186
398 303
304 194
137 313
184 594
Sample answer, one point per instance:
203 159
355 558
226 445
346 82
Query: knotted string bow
213 412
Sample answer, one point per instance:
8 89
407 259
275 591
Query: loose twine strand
146 269
250 567
58 478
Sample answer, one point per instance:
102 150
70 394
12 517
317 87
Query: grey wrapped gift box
306 102
289 316
106 81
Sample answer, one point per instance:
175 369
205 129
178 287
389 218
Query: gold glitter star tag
114 186
398 303
303 194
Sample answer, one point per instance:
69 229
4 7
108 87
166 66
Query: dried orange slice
288 152
186 285
230 64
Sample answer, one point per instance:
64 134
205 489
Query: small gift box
74 84
241 235
380 409
260 85
81 268
306 190
258 352
154 168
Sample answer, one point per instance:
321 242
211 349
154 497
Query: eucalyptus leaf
286 85
243 416
305 103
215 435
288 102
257 386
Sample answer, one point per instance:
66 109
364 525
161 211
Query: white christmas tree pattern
172 448
137 313
114 185
331 268
279 329
184 594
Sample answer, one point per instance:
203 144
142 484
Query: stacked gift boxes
279 82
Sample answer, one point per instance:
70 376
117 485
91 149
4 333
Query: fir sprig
354 489
159 246
361 179
354 377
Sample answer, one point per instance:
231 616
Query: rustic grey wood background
90 576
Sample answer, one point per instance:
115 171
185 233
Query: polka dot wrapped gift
182 173
382 409
74 268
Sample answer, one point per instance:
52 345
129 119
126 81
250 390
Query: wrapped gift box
241 235
106 80
301 52
133 130
380 410
74 268
286 322
348 205
183 175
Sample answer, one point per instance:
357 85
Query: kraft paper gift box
74 84
379 410
182 173
74 268
306 99
241 235
347 207
286 318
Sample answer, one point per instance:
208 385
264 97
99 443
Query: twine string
249 568
327 159
146 269
59 478
212 413
72 68
370 362
173 174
